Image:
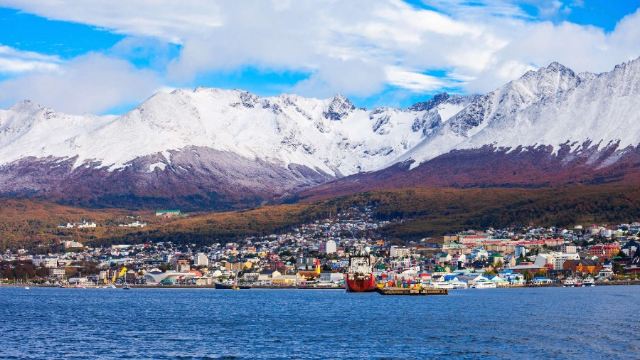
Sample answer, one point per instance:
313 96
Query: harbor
343 252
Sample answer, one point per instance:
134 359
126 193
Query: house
582 266
514 278
634 265
444 258
500 281
479 253
630 248
604 251
168 213
399 252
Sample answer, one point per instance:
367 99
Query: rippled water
587 323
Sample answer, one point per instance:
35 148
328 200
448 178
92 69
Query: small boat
442 285
569 282
126 287
27 288
588 282
484 285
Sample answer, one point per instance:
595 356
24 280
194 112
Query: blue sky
101 58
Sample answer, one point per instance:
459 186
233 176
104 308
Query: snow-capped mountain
219 148
550 126
241 145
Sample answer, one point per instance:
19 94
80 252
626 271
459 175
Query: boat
230 286
27 288
484 285
588 282
442 285
126 287
457 284
411 291
359 276
569 282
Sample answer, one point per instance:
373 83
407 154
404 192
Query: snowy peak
551 106
26 106
329 135
439 99
338 108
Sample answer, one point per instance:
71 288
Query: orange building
582 266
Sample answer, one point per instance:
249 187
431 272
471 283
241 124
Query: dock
408 291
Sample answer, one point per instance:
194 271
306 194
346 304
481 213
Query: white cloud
412 80
15 61
92 83
357 47
167 19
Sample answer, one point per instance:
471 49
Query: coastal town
317 255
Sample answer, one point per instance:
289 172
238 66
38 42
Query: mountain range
224 149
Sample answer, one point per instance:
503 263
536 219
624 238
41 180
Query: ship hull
364 283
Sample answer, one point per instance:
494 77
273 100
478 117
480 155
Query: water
586 323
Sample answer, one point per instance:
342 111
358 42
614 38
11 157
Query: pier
409 291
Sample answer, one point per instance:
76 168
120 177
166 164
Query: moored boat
230 286
484 285
359 277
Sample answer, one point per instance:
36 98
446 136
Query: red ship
359 277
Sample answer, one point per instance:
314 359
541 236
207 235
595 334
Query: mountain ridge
232 147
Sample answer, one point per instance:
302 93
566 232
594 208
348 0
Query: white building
201 260
69 244
399 252
49 262
329 247
569 249
87 225
559 259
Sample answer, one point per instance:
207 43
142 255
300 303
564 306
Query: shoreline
610 283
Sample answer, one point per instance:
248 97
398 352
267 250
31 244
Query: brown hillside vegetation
26 222
423 211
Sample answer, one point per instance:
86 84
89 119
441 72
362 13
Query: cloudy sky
102 56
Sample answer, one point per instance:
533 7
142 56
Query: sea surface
531 323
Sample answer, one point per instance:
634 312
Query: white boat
441 285
457 284
27 288
569 282
588 282
484 285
